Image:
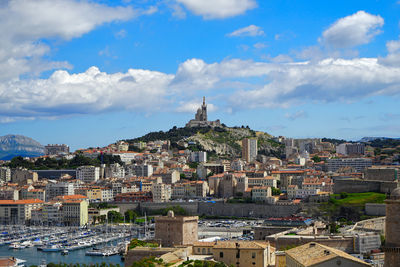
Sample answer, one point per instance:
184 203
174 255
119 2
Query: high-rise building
249 149
5 174
198 156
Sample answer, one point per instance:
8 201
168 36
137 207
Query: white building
305 192
115 171
5 174
88 174
358 164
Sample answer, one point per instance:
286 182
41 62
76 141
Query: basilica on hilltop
200 119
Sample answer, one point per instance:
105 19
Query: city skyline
111 70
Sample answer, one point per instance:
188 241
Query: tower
204 109
249 149
392 230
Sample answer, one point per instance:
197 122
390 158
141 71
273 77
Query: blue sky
88 73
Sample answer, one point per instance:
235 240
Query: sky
89 73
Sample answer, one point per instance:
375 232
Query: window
253 255
198 250
221 254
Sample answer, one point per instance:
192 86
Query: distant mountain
370 139
19 145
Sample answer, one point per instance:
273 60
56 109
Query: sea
32 256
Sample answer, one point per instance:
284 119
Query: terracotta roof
312 253
20 202
242 244
204 244
67 197
5 262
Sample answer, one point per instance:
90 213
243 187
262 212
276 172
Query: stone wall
360 186
190 207
375 209
247 210
217 209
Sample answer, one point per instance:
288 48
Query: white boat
52 248
16 246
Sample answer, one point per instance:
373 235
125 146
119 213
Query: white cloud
24 23
357 29
327 80
276 85
251 30
297 115
120 34
260 45
218 9
88 92
393 56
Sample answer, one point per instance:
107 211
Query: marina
36 245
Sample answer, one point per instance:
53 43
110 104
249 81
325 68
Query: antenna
204 100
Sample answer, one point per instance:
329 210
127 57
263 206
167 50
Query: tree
115 216
275 191
316 158
130 216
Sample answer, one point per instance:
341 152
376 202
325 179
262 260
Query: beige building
36 194
261 193
74 210
18 211
244 253
173 230
23 176
161 192
314 254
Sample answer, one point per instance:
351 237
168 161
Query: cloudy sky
88 73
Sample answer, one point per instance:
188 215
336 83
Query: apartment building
198 156
249 149
23 176
358 164
18 211
161 192
88 174
5 174
261 193
59 189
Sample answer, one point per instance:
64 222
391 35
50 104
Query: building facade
174 230
249 149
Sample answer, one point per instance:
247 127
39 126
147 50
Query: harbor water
32 256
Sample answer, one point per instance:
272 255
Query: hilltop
19 145
222 141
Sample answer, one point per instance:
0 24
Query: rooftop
312 253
